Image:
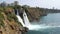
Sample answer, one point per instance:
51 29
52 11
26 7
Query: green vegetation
1 19
10 15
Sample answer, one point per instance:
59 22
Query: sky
38 3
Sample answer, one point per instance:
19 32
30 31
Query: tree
26 6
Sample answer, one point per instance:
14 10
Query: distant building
3 4
15 3
53 7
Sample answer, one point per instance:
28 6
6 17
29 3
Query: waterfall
26 20
20 19
28 24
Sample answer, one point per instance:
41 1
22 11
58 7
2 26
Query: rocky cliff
9 23
34 13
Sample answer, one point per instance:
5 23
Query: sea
49 24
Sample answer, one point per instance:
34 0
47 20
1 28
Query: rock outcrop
9 23
34 13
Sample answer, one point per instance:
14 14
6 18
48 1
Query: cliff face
9 23
34 13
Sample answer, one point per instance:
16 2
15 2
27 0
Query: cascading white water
26 20
20 19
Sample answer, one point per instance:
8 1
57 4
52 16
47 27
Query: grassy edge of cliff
10 15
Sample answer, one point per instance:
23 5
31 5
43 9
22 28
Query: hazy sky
40 3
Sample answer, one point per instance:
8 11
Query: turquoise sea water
49 24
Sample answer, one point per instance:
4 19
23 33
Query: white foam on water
38 27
